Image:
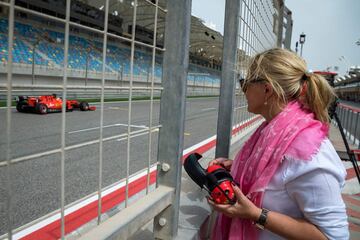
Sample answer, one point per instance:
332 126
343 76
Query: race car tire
20 106
84 106
41 108
69 109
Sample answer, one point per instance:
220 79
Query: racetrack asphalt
35 183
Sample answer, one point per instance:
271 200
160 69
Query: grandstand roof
352 76
204 41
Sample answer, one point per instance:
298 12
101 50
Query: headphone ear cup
219 183
216 177
194 169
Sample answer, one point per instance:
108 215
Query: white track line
81 204
136 135
208 109
85 202
107 126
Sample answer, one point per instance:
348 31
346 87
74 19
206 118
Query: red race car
49 103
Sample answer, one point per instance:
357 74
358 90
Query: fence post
280 7
356 127
288 26
172 110
9 191
226 100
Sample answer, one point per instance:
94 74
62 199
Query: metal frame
350 120
8 119
254 34
102 112
288 28
9 86
280 27
248 28
172 111
227 79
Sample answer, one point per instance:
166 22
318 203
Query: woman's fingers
227 164
224 162
219 207
217 161
243 207
238 193
213 162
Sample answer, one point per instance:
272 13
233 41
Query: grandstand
84 53
348 86
38 51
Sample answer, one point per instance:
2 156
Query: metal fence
250 26
50 161
259 26
350 121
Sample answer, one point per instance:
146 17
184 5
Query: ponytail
286 72
318 97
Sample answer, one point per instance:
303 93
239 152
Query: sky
332 28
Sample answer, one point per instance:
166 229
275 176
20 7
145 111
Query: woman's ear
268 90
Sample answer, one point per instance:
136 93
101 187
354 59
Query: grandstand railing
198 83
249 29
350 120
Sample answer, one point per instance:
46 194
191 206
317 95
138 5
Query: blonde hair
286 72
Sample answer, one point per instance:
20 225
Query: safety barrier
350 120
57 160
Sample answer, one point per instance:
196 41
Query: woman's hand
243 208
224 162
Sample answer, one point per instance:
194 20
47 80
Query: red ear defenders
215 179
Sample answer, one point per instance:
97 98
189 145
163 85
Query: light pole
302 41
33 61
347 63
119 77
87 65
122 72
148 76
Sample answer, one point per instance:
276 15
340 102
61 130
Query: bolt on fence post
172 110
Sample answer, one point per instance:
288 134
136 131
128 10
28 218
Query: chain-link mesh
103 54
96 52
257 32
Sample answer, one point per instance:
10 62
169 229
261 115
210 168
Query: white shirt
310 190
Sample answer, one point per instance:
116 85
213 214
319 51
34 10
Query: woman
289 175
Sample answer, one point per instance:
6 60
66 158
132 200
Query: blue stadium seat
86 54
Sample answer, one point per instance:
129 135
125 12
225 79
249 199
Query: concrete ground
351 191
194 210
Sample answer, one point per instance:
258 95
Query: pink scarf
295 133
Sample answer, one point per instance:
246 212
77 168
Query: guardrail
249 21
350 119
94 92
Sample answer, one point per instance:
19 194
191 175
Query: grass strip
92 100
